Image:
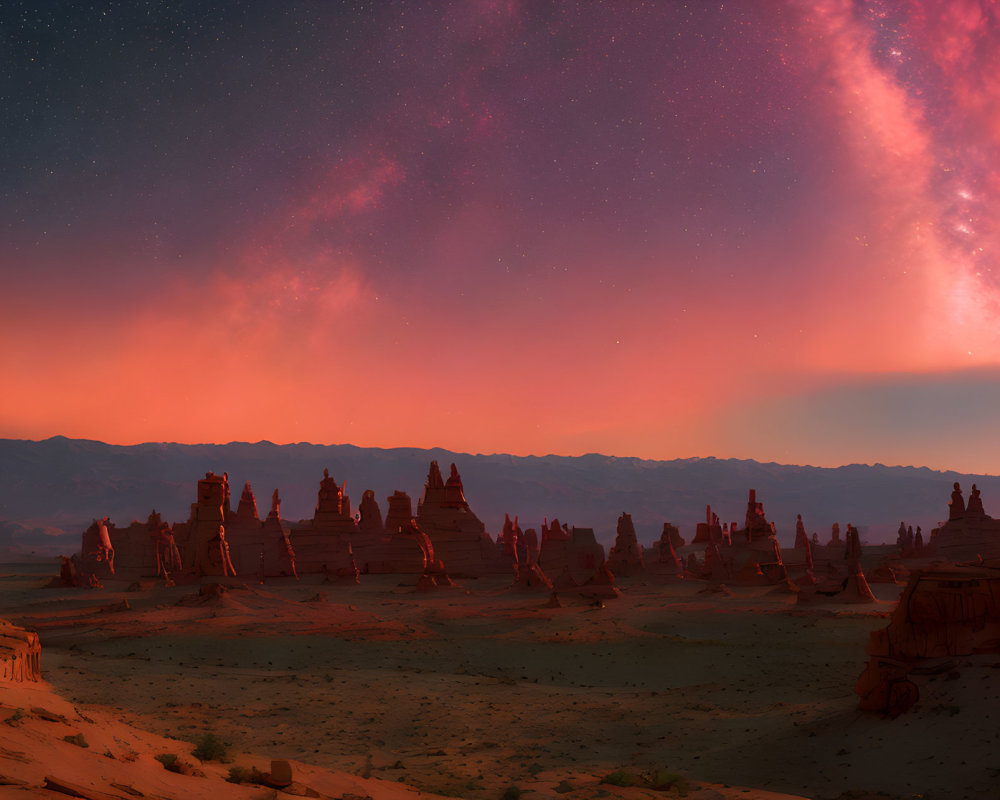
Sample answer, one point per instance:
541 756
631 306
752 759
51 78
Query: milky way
760 230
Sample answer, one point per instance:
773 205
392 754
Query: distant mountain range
51 490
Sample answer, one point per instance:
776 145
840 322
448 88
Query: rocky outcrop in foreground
20 654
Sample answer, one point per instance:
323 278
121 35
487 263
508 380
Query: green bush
210 748
239 775
511 793
664 779
169 761
619 778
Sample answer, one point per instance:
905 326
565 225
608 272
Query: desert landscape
724 666
500 400
473 689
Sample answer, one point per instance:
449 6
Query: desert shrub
169 761
664 779
210 748
78 740
619 778
511 793
239 774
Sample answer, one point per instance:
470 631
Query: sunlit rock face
459 538
944 612
20 654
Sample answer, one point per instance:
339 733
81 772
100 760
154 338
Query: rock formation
246 511
625 558
97 555
577 552
20 654
207 514
837 589
459 537
400 511
801 540
507 541
227 511
423 542
799 559
68 578
857 589
883 573
673 532
564 580
323 544
600 585
718 568
218 558
705 531
554 532
835 540
975 504
969 534
748 552
750 574
756 525
665 564
956 506
530 576
370 514
347 546
434 577
255 547
333 507
904 539
274 533
943 612
531 545
346 573
168 555
808 578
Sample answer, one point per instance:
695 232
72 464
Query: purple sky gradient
761 230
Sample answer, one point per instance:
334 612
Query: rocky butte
969 532
946 617
445 539
947 610
20 654
215 540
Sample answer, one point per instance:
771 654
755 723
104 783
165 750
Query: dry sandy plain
470 690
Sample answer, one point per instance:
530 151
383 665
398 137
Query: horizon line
875 465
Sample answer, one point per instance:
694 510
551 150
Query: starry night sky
743 229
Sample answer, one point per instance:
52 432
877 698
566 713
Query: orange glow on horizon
507 246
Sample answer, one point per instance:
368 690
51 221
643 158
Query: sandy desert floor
470 690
